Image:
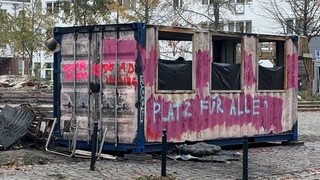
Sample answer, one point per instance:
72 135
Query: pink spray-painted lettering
79 69
201 113
126 74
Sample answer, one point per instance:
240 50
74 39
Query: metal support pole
94 145
245 158
164 152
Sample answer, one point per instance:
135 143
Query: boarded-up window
174 75
225 76
226 66
175 61
271 65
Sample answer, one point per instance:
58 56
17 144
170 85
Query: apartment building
10 65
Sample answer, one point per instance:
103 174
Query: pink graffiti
125 76
249 76
125 49
79 69
126 71
148 64
122 80
292 71
198 114
202 69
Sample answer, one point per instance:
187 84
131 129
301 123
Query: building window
49 74
239 8
289 23
49 65
206 2
49 7
177 3
231 26
53 7
248 26
21 67
299 26
240 26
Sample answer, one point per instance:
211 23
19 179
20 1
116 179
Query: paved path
273 162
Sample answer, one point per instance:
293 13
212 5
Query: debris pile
19 82
15 81
14 125
204 152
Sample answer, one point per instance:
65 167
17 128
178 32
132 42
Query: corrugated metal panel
94 62
14 124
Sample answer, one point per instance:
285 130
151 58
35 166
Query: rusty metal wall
104 60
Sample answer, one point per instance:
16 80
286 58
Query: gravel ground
279 162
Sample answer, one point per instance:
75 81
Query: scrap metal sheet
14 125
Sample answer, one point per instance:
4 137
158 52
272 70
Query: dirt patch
309 138
156 177
24 157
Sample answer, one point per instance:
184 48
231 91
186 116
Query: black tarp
271 78
225 76
174 75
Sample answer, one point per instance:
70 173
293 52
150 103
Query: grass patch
58 175
31 160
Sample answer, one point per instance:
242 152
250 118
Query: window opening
175 61
177 3
289 26
271 65
226 65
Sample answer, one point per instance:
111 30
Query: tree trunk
146 12
216 12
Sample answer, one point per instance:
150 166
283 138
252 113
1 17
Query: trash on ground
204 152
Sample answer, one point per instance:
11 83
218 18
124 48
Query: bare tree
214 12
137 11
300 17
294 17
